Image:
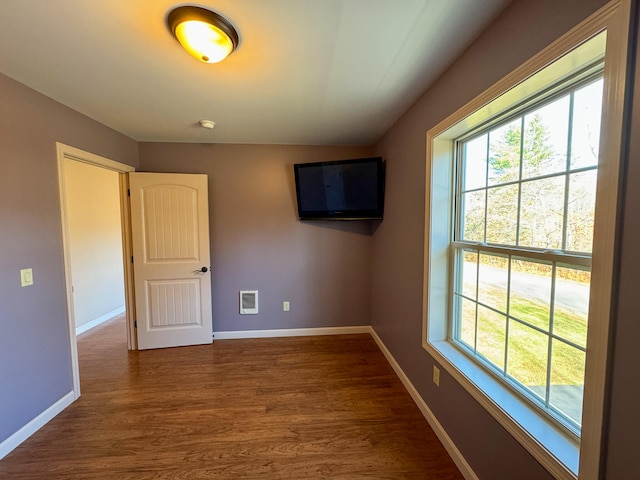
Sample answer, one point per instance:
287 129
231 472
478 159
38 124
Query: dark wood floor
290 408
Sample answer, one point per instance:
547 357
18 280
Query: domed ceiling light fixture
206 35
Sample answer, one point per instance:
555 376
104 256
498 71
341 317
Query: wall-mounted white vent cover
248 302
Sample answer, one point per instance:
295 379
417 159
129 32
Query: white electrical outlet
436 376
285 306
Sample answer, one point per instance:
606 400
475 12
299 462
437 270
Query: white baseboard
448 444
34 425
293 332
99 320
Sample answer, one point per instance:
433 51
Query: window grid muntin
571 171
552 308
486 198
520 113
574 260
567 172
593 72
520 168
524 323
528 394
568 169
549 331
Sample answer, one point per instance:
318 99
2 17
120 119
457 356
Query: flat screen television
340 190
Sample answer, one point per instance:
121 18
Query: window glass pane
546 133
541 213
504 153
467 322
530 293
525 314
581 210
491 336
587 112
502 214
493 279
475 163
469 273
473 216
571 305
527 357
567 380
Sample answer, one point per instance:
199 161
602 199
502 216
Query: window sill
553 448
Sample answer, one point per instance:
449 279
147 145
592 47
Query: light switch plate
26 277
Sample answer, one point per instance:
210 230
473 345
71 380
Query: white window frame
553 447
560 258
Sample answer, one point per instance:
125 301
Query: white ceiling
311 72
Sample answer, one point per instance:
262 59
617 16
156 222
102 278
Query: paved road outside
571 295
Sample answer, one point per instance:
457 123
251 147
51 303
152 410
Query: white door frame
71 153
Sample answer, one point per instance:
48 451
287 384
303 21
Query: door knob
202 270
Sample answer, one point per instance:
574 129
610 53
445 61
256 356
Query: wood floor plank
327 407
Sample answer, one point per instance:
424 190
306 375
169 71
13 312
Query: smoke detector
207 124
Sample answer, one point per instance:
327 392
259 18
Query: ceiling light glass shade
204 34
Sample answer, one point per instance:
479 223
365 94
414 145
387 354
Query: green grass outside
527 348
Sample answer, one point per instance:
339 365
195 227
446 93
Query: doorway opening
74 166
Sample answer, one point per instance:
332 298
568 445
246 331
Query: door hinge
135 324
131 258
128 192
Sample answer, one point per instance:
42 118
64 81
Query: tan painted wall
93 222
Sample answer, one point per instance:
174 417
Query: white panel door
171 265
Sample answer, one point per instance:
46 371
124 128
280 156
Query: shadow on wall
358 227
